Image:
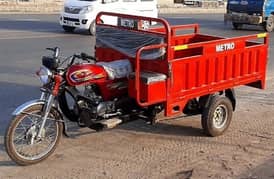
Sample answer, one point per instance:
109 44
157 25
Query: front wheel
269 24
21 141
217 115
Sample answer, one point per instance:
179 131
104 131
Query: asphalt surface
23 39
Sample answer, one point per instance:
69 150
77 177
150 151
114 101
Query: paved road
23 39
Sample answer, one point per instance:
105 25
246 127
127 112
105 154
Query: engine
93 108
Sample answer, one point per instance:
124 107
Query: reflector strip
262 35
180 47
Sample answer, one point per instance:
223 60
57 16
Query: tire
63 103
237 26
92 28
269 24
68 28
22 158
217 115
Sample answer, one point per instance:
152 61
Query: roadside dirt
171 149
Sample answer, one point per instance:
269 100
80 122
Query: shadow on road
7 163
166 127
264 171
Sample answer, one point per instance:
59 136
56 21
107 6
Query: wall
39 6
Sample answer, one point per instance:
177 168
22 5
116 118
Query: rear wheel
68 28
237 26
92 28
269 24
21 141
217 115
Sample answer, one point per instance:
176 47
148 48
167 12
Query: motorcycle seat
117 69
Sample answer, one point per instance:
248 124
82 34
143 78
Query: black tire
269 24
92 28
222 107
203 102
236 25
63 103
68 29
9 136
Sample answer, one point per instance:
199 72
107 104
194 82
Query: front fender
28 104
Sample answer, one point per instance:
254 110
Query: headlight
86 9
44 75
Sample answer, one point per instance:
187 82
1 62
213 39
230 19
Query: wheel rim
24 140
92 28
220 116
270 24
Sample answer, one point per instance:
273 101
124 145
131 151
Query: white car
82 13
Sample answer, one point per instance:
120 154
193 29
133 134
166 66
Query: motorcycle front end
36 126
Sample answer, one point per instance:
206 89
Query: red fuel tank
82 74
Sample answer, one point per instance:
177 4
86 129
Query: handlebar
83 56
87 57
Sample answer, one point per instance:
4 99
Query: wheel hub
31 135
220 116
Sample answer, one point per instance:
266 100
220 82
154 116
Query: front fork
49 101
49 98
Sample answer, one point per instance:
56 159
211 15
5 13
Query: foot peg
111 123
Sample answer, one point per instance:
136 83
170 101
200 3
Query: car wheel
92 28
269 24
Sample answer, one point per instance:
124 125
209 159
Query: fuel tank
82 74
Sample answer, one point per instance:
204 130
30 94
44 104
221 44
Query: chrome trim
26 105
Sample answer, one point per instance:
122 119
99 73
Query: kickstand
152 120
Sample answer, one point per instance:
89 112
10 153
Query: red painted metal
195 64
111 89
57 83
83 74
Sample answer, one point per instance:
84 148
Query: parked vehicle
197 3
82 13
204 3
137 72
253 12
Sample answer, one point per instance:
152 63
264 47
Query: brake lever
86 57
